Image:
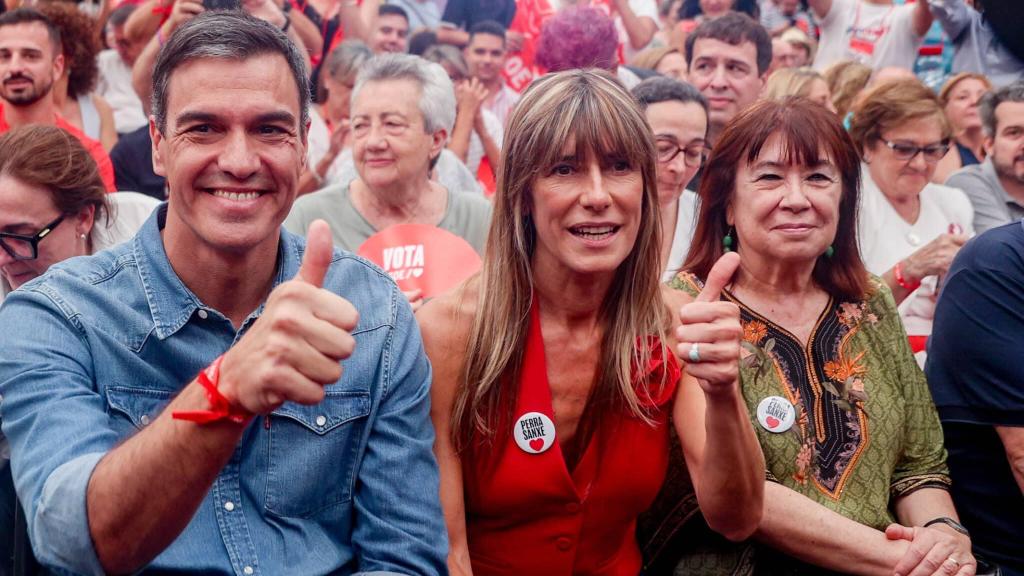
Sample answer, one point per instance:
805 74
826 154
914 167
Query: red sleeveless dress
526 513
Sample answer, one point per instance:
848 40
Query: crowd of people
510 287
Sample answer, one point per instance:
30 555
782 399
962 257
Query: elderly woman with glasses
909 228
678 115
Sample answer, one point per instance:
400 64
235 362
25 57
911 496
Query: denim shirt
93 351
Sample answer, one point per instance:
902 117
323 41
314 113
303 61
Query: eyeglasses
693 155
907 152
27 247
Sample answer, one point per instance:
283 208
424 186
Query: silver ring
694 352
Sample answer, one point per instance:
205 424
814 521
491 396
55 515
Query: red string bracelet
220 408
897 271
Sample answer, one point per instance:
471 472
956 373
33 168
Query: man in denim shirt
309 464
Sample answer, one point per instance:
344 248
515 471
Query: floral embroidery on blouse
825 384
754 332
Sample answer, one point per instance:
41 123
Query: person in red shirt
555 368
30 62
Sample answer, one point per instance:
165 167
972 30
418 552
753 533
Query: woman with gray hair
403 109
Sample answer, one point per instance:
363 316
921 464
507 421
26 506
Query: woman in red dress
554 372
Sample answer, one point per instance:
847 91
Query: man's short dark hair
119 16
28 16
991 100
421 40
392 10
225 35
663 89
734 28
487 27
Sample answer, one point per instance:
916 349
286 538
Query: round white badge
534 432
776 414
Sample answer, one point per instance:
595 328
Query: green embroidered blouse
866 431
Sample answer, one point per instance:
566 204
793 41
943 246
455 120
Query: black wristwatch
949 522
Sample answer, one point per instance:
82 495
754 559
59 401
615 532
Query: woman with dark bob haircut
857 478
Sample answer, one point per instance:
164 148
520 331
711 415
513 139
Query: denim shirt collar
171 303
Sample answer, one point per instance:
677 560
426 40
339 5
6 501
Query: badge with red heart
776 414
534 432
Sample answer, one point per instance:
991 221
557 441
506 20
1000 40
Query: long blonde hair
593 109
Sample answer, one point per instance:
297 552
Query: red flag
520 69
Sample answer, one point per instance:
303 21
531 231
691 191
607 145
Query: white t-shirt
885 238
115 85
686 224
475 154
872 34
642 9
318 138
627 77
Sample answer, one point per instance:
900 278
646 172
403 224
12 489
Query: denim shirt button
247 570
203 314
144 419
321 420
229 506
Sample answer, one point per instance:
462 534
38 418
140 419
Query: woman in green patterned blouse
857 478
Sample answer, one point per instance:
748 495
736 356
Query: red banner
519 67
419 256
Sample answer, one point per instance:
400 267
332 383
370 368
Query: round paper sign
419 256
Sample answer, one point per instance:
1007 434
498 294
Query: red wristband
897 271
220 408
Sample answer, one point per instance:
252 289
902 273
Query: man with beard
996 186
485 56
30 62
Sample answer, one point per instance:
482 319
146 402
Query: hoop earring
727 242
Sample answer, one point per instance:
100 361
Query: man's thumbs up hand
296 346
319 251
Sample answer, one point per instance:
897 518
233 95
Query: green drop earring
829 251
728 241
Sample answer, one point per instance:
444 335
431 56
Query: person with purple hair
582 37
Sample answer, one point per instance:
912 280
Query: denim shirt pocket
312 453
135 407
